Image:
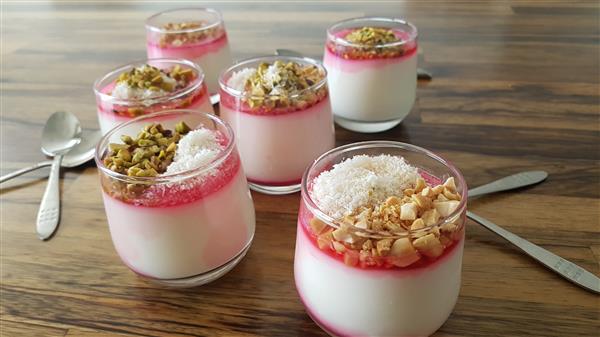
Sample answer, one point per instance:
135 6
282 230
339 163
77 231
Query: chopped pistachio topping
173 37
183 25
148 154
372 36
147 77
282 84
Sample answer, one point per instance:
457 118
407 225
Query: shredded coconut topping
197 148
361 181
238 79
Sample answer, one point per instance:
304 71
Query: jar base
366 127
274 190
200 279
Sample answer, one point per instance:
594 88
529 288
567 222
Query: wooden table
515 88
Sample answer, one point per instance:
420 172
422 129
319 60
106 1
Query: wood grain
516 87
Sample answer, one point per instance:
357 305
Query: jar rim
412 31
99 84
218 160
154 28
270 58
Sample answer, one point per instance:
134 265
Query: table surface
516 87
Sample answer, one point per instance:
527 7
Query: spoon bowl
61 132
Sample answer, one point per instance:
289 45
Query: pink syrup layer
108 108
236 104
190 189
424 264
334 59
187 51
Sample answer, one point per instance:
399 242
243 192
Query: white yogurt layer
354 302
187 240
371 90
278 148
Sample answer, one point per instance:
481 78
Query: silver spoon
61 133
563 267
78 155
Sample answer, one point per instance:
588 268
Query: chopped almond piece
402 253
317 226
442 197
367 245
408 211
393 200
429 245
417 224
430 217
451 195
445 208
408 192
445 241
339 247
362 220
427 192
384 246
324 240
421 201
421 184
351 258
437 189
449 184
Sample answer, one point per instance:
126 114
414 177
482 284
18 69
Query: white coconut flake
238 79
123 91
197 148
361 181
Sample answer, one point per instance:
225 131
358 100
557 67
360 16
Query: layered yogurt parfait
380 240
372 72
176 197
279 109
142 88
196 34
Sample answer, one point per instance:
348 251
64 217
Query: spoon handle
564 268
24 170
521 179
49 212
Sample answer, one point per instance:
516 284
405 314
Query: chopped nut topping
412 215
371 42
372 36
175 38
147 155
280 85
155 79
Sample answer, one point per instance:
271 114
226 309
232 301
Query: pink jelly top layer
237 104
116 110
196 49
189 189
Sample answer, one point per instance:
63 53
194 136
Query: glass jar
360 292
278 143
113 111
196 34
182 229
372 83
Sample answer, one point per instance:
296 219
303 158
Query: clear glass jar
113 111
196 34
359 293
372 86
182 229
278 143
